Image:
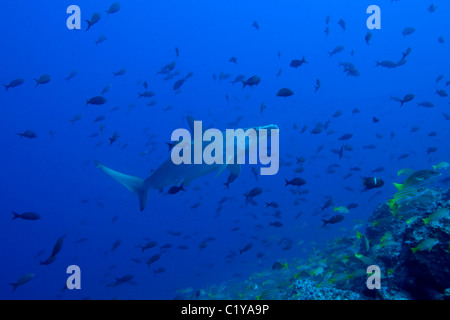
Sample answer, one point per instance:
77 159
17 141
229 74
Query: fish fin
399 186
6 87
16 215
414 250
14 285
425 221
132 183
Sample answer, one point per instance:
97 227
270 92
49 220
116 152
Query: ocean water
54 174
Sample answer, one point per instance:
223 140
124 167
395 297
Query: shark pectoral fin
221 169
225 165
132 183
234 169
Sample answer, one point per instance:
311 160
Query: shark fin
132 183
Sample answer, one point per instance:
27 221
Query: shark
170 174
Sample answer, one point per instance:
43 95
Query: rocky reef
408 238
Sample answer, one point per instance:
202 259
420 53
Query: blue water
54 174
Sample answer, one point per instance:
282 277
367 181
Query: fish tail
89 24
425 221
325 222
14 285
243 84
16 215
6 87
20 134
37 82
137 185
287 182
414 250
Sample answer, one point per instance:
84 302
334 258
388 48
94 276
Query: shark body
169 174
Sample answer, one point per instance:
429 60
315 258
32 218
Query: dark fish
100 39
336 50
346 136
279 266
122 280
14 83
246 248
426 104
230 179
30 134
327 204
255 25
372 183
408 30
333 220
148 245
253 193
432 150
146 94
116 245
42 79
318 84
368 37
22 280
442 93
26 216
252 81
113 138
98 100
295 182
276 224
176 189
94 19
285 92
121 72
386 64
233 60
114 8
298 63
57 247
341 22
406 53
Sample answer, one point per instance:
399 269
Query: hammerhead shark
171 174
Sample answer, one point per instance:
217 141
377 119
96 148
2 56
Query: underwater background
378 109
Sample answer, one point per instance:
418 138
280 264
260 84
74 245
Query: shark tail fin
132 183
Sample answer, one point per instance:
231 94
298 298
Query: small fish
372 183
94 19
285 92
246 248
76 118
42 79
318 85
255 25
114 8
22 280
98 100
72 74
437 215
113 138
298 63
176 189
368 37
252 81
233 60
29 134
100 39
341 22
408 31
336 50
334 219
295 182
276 224
26 216
14 83
121 72
426 244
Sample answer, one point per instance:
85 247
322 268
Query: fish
279 266
29 134
408 31
295 182
101 39
246 248
334 219
276 224
26 216
76 118
176 189
418 179
368 37
252 81
113 8
255 25
14 83
437 215
43 79
113 138
341 22
146 94
336 50
386 64
318 85
22 280
94 19
233 60
425 104
121 72
372 183
285 92
98 100
298 63
169 174
426 244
